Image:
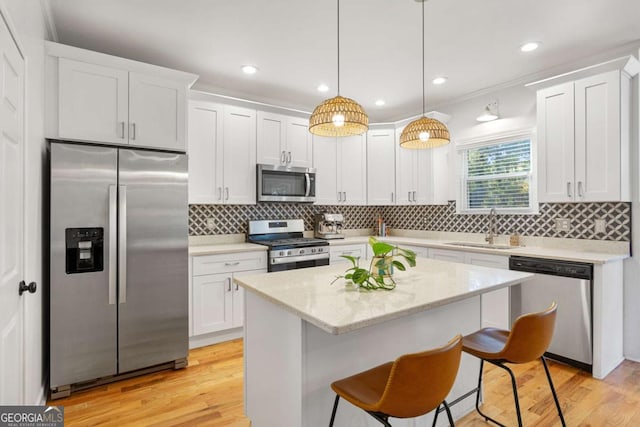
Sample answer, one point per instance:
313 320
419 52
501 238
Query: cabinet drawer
351 250
225 263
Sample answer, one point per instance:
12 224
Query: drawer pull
231 264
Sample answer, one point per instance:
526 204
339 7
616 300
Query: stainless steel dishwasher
570 284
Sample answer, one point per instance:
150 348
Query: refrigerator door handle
113 242
122 234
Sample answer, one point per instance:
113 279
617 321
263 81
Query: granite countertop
340 307
566 254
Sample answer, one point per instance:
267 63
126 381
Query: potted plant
385 258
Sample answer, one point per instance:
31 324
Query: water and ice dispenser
84 249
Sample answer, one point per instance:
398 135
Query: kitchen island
302 333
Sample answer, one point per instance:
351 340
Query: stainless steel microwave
286 184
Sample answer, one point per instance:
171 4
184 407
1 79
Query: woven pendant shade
322 123
438 134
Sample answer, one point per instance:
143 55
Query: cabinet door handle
283 157
226 192
289 157
122 130
569 189
414 196
219 193
229 284
580 192
133 131
339 196
392 197
230 264
345 196
409 195
237 287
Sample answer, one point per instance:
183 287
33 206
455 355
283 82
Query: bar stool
528 340
413 385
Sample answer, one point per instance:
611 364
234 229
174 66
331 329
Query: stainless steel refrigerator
118 263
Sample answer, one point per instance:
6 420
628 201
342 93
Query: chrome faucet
493 227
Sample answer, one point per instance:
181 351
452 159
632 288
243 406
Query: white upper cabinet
94 97
205 152
283 140
583 139
157 112
222 154
340 170
381 167
93 102
414 175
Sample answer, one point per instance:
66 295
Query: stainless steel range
288 249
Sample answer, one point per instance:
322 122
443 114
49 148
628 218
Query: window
498 173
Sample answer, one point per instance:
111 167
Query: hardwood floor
209 393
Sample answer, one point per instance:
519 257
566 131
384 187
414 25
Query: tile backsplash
229 219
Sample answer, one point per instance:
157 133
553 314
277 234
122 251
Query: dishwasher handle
553 267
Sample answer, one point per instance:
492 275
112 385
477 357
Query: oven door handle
290 259
307 184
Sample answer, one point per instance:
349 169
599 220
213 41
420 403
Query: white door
381 167
239 156
205 152
271 137
597 115
11 221
555 126
212 303
324 160
93 102
156 112
299 146
405 176
352 164
424 177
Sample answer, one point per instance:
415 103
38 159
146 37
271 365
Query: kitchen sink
480 245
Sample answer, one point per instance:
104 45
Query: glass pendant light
338 116
424 132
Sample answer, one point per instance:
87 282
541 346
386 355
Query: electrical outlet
563 224
211 223
600 226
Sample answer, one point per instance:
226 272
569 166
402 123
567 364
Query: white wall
27 19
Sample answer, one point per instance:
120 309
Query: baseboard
215 337
633 359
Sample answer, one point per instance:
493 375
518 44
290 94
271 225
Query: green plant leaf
360 275
400 266
353 259
381 248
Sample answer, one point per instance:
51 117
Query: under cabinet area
283 140
583 131
222 154
217 304
93 97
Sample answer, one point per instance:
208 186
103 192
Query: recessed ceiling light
530 46
439 80
380 102
323 88
249 69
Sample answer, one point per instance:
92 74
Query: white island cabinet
302 333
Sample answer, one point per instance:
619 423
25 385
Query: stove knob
281 253
301 251
288 252
313 251
320 249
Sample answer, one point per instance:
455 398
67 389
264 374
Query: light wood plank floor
209 392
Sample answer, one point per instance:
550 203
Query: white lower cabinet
336 252
217 303
495 305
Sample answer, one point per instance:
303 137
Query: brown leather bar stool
528 340
413 385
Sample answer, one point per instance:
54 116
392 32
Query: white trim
4 13
48 20
494 138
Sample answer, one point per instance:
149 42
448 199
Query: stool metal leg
553 391
435 416
446 407
335 408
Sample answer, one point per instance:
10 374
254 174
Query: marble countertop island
340 307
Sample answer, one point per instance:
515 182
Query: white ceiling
475 43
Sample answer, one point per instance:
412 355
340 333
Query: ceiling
475 43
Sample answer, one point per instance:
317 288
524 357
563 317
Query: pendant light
338 116
424 132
